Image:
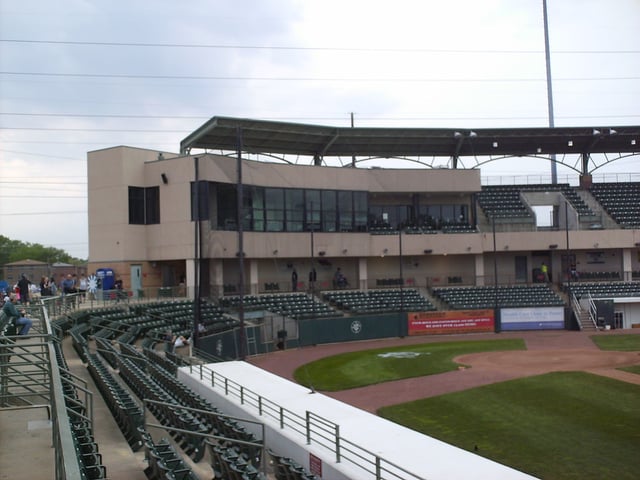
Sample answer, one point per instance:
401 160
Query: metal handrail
576 307
593 310
311 427
46 373
148 401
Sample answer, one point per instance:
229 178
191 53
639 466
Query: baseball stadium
351 303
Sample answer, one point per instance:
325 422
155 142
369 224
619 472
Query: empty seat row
620 200
126 412
607 289
379 300
294 305
163 460
286 468
464 298
89 458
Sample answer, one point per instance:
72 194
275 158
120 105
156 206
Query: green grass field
555 426
358 369
635 369
619 343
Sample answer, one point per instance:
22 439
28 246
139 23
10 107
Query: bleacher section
164 461
620 200
506 202
606 289
598 276
466 298
378 301
458 227
299 306
87 452
178 315
503 202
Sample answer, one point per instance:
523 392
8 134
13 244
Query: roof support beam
317 158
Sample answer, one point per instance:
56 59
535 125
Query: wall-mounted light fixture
428 251
344 251
637 244
596 245
164 178
506 247
275 252
553 246
322 253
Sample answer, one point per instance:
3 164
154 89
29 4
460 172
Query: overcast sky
81 75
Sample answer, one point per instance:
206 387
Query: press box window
144 205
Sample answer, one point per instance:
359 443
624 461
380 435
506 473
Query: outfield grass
358 369
619 343
568 425
634 369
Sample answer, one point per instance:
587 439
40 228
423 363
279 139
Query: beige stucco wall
115 243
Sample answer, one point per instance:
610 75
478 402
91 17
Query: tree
16 250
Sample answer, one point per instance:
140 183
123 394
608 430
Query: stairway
586 325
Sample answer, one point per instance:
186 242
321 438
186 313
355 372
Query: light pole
196 254
496 310
239 199
401 272
566 230
547 56
312 272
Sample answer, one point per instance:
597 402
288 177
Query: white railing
311 428
577 308
593 311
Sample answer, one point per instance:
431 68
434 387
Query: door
521 268
136 280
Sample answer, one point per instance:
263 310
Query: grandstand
422 229
426 251
172 426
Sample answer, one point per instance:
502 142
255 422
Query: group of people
70 283
339 279
175 341
16 317
22 290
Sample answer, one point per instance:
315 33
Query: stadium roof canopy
317 141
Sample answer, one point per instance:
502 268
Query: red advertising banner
315 465
451 321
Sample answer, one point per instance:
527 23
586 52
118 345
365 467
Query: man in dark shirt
23 287
19 319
